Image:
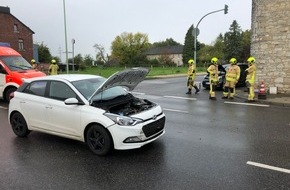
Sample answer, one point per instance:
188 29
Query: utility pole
196 30
65 34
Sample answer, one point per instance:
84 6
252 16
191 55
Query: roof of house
177 49
6 10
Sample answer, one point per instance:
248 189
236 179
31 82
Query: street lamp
73 51
66 51
196 30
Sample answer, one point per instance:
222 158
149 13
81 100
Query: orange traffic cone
262 91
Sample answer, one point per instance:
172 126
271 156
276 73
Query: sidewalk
271 99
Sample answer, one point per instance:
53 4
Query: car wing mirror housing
72 101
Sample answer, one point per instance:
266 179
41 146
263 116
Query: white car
88 108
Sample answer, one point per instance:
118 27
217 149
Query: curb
268 102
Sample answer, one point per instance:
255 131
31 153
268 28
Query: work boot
224 97
250 101
212 98
189 91
231 98
196 89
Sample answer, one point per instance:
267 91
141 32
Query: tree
188 48
128 48
101 55
246 45
88 60
44 55
57 59
78 59
205 54
218 48
233 42
167 42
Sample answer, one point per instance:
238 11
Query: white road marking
247 104
178 97
268 167
180 111
1 107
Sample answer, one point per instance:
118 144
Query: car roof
67 77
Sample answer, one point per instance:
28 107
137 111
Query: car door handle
48 107
22 101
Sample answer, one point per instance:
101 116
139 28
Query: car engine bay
124 105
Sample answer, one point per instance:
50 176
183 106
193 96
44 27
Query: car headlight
123 120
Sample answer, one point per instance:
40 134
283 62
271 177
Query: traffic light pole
195 29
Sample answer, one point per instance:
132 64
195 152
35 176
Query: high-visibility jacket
251 75
233 73
53 68
191 72
213 72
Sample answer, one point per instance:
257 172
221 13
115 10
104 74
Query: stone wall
271 42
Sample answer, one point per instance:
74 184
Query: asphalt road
207 145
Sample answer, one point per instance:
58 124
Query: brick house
174 53
15 33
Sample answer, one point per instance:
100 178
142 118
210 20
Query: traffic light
197 46
226 9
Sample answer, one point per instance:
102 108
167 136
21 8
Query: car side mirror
72 101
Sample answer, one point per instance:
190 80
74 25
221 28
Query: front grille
154 127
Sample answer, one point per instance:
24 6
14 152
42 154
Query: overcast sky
95 21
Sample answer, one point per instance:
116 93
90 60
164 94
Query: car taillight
11 95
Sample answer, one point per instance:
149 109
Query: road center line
180 111
268 167
1 107
247 104
178 97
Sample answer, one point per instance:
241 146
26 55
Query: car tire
99 140
8 92
19 125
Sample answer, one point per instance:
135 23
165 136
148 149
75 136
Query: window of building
15 28
21 44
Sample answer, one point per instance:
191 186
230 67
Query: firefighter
250 79
213 77
191 77
232 78
33 63
53 68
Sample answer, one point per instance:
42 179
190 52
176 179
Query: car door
32 106
63 119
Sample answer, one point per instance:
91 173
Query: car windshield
88 86
110 93
16 63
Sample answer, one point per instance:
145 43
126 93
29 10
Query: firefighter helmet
251 60
191 61
32 61
53 61
214 60
233 61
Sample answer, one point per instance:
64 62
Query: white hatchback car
88 108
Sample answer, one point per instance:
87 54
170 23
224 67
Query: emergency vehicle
13 69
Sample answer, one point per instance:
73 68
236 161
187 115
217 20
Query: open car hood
129 78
